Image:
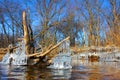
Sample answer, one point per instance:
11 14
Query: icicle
63 60
18 57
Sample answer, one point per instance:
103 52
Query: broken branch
48 51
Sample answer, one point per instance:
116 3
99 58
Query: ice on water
18 57
63 59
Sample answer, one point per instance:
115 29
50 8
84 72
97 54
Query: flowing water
64 67
81 70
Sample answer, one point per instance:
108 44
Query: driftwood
48 51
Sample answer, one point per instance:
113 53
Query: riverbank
77 50
95 49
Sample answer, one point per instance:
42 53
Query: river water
81 70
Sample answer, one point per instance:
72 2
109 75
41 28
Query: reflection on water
86 70
61 74
82 70
12 72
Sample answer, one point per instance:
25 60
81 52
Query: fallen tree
25 54
27 41
49 50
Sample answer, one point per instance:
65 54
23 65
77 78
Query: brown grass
3 51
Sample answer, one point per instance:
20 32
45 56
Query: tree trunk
6 36
26 34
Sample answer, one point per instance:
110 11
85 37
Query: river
81 70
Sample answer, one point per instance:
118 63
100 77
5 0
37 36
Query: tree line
87 22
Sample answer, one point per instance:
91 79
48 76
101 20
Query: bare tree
47 14
12 17
90 14
112 19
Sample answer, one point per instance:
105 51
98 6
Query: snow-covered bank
103 56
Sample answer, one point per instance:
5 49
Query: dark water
82 70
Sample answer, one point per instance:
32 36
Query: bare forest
87 22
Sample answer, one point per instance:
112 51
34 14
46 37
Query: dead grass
94 49
2 52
